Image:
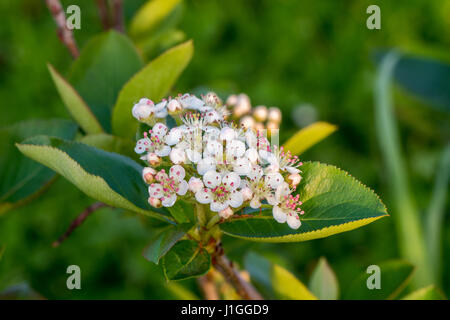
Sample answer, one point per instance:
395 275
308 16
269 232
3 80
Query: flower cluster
214 162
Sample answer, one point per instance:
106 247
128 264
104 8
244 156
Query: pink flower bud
260 113
148 174
174 106
226 213
195 184
294 179
153 159
247 122
274 115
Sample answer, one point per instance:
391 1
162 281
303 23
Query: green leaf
106 176
179 292
21 179
161 243
275 280
323 283
2 251
105 64
153 82
309 136
110 143
426 293
151 15
333 202
427 79
394 276
76 106
185 260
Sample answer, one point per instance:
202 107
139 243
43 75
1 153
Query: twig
232 276
208 288
118 15
103 13
79 220
64 33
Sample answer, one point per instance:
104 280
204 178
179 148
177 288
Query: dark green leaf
105 64
185 260
333 202
106 176
20 177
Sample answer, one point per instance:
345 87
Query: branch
78 221
118 15
103 13
64 33
207 286
232 276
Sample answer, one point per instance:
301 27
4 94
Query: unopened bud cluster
211 161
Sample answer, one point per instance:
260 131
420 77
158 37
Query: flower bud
226 213
154 202
211 99
174 106
247 193
141 111
232 100
272 128
148 174
153 159
260 113
247 122
195 184
294 179
259 126
274 115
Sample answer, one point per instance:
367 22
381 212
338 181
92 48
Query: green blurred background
286 53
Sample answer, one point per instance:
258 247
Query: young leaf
274 280
394 276
427 79
150 15
161 243
153 82
333 202
21 178
323 282
76 106
106 176
110 143
309 136
105 64
185 260
426 293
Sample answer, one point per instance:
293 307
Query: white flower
145 109
262 186
169 186
220 192
191 102
287 207
284 161
258 146
177 156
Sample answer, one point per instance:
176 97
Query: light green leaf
309 136
105 64
426 293
180 292
185 260
22 179
110 143
106 176
151 15
323 283
161 243
274 280
76 106
394 277
333 202
153 82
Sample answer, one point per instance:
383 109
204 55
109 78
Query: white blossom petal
177 156
174 136
217 206
274 180
182 188
232 180
155 190
293 220
211 179
279 215
256 172
235 148
193 156
205 165
159 130
177 172
169 201
163 152
255 203
242 166
236 199
203 196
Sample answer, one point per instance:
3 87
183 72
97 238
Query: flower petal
155 190
169 201
279 215
236 199
177 172
182 188
217 206
242 166
293 220
232 180
159 130
273 180
205 165
163 152
203 196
